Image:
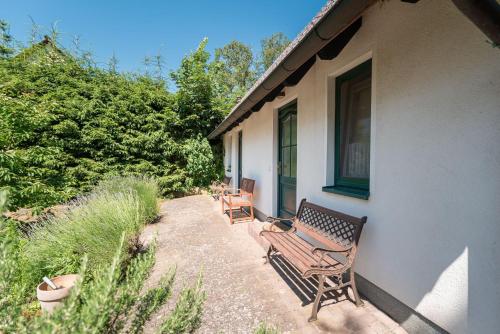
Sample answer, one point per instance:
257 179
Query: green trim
357 184
283 112
347 191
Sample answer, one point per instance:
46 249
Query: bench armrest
325 251
274 220
328 250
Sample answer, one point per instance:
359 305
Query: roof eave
333 18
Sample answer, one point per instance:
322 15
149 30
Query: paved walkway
241 290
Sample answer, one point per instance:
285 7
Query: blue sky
135 29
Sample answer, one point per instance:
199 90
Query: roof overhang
335 18
325 36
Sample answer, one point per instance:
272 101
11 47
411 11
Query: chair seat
299 252
236 201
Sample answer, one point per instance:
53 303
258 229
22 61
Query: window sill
346 191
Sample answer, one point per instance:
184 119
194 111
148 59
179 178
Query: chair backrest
334 229
247 185
226 180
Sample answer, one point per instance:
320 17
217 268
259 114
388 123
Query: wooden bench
237 199
336 233
218 187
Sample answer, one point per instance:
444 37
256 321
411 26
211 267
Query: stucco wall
434 210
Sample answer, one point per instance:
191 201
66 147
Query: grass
264 328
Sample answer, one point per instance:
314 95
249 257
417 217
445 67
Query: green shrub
92 227
92 239
186 316
11 287
66 125
109 303
201 165
146 189
114 301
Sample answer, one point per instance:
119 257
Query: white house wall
433 215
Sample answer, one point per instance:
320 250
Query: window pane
293 161
288 195
285 158
294 130
285 132
355 95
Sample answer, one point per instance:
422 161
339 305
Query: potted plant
52 292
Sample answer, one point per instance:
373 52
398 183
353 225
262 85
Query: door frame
239 171
277 155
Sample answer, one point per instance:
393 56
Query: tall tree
238 60
271 48
5 40
194 94
233 73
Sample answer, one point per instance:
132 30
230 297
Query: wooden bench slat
296 249
291 255
304 248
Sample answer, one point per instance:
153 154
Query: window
352 132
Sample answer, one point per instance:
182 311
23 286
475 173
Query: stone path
241 290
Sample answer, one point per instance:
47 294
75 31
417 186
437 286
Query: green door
240 158
287 161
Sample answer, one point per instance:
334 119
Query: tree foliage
233 72
271 48
65 123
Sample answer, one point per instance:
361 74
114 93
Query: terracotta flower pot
50 299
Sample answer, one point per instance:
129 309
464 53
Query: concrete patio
241 290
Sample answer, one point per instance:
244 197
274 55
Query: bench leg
231 215
359 302
268 254
222 203
321 288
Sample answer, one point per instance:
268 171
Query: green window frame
358 187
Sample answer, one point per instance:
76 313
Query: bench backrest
247 185
226 180
333 229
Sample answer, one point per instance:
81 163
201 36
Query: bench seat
299 253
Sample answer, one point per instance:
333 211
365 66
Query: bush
92 227
200 168
12 290
65 125
110 303
146 189
186 316
111 298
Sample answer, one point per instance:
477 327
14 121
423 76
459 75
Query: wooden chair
338 234
238 199
218 187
